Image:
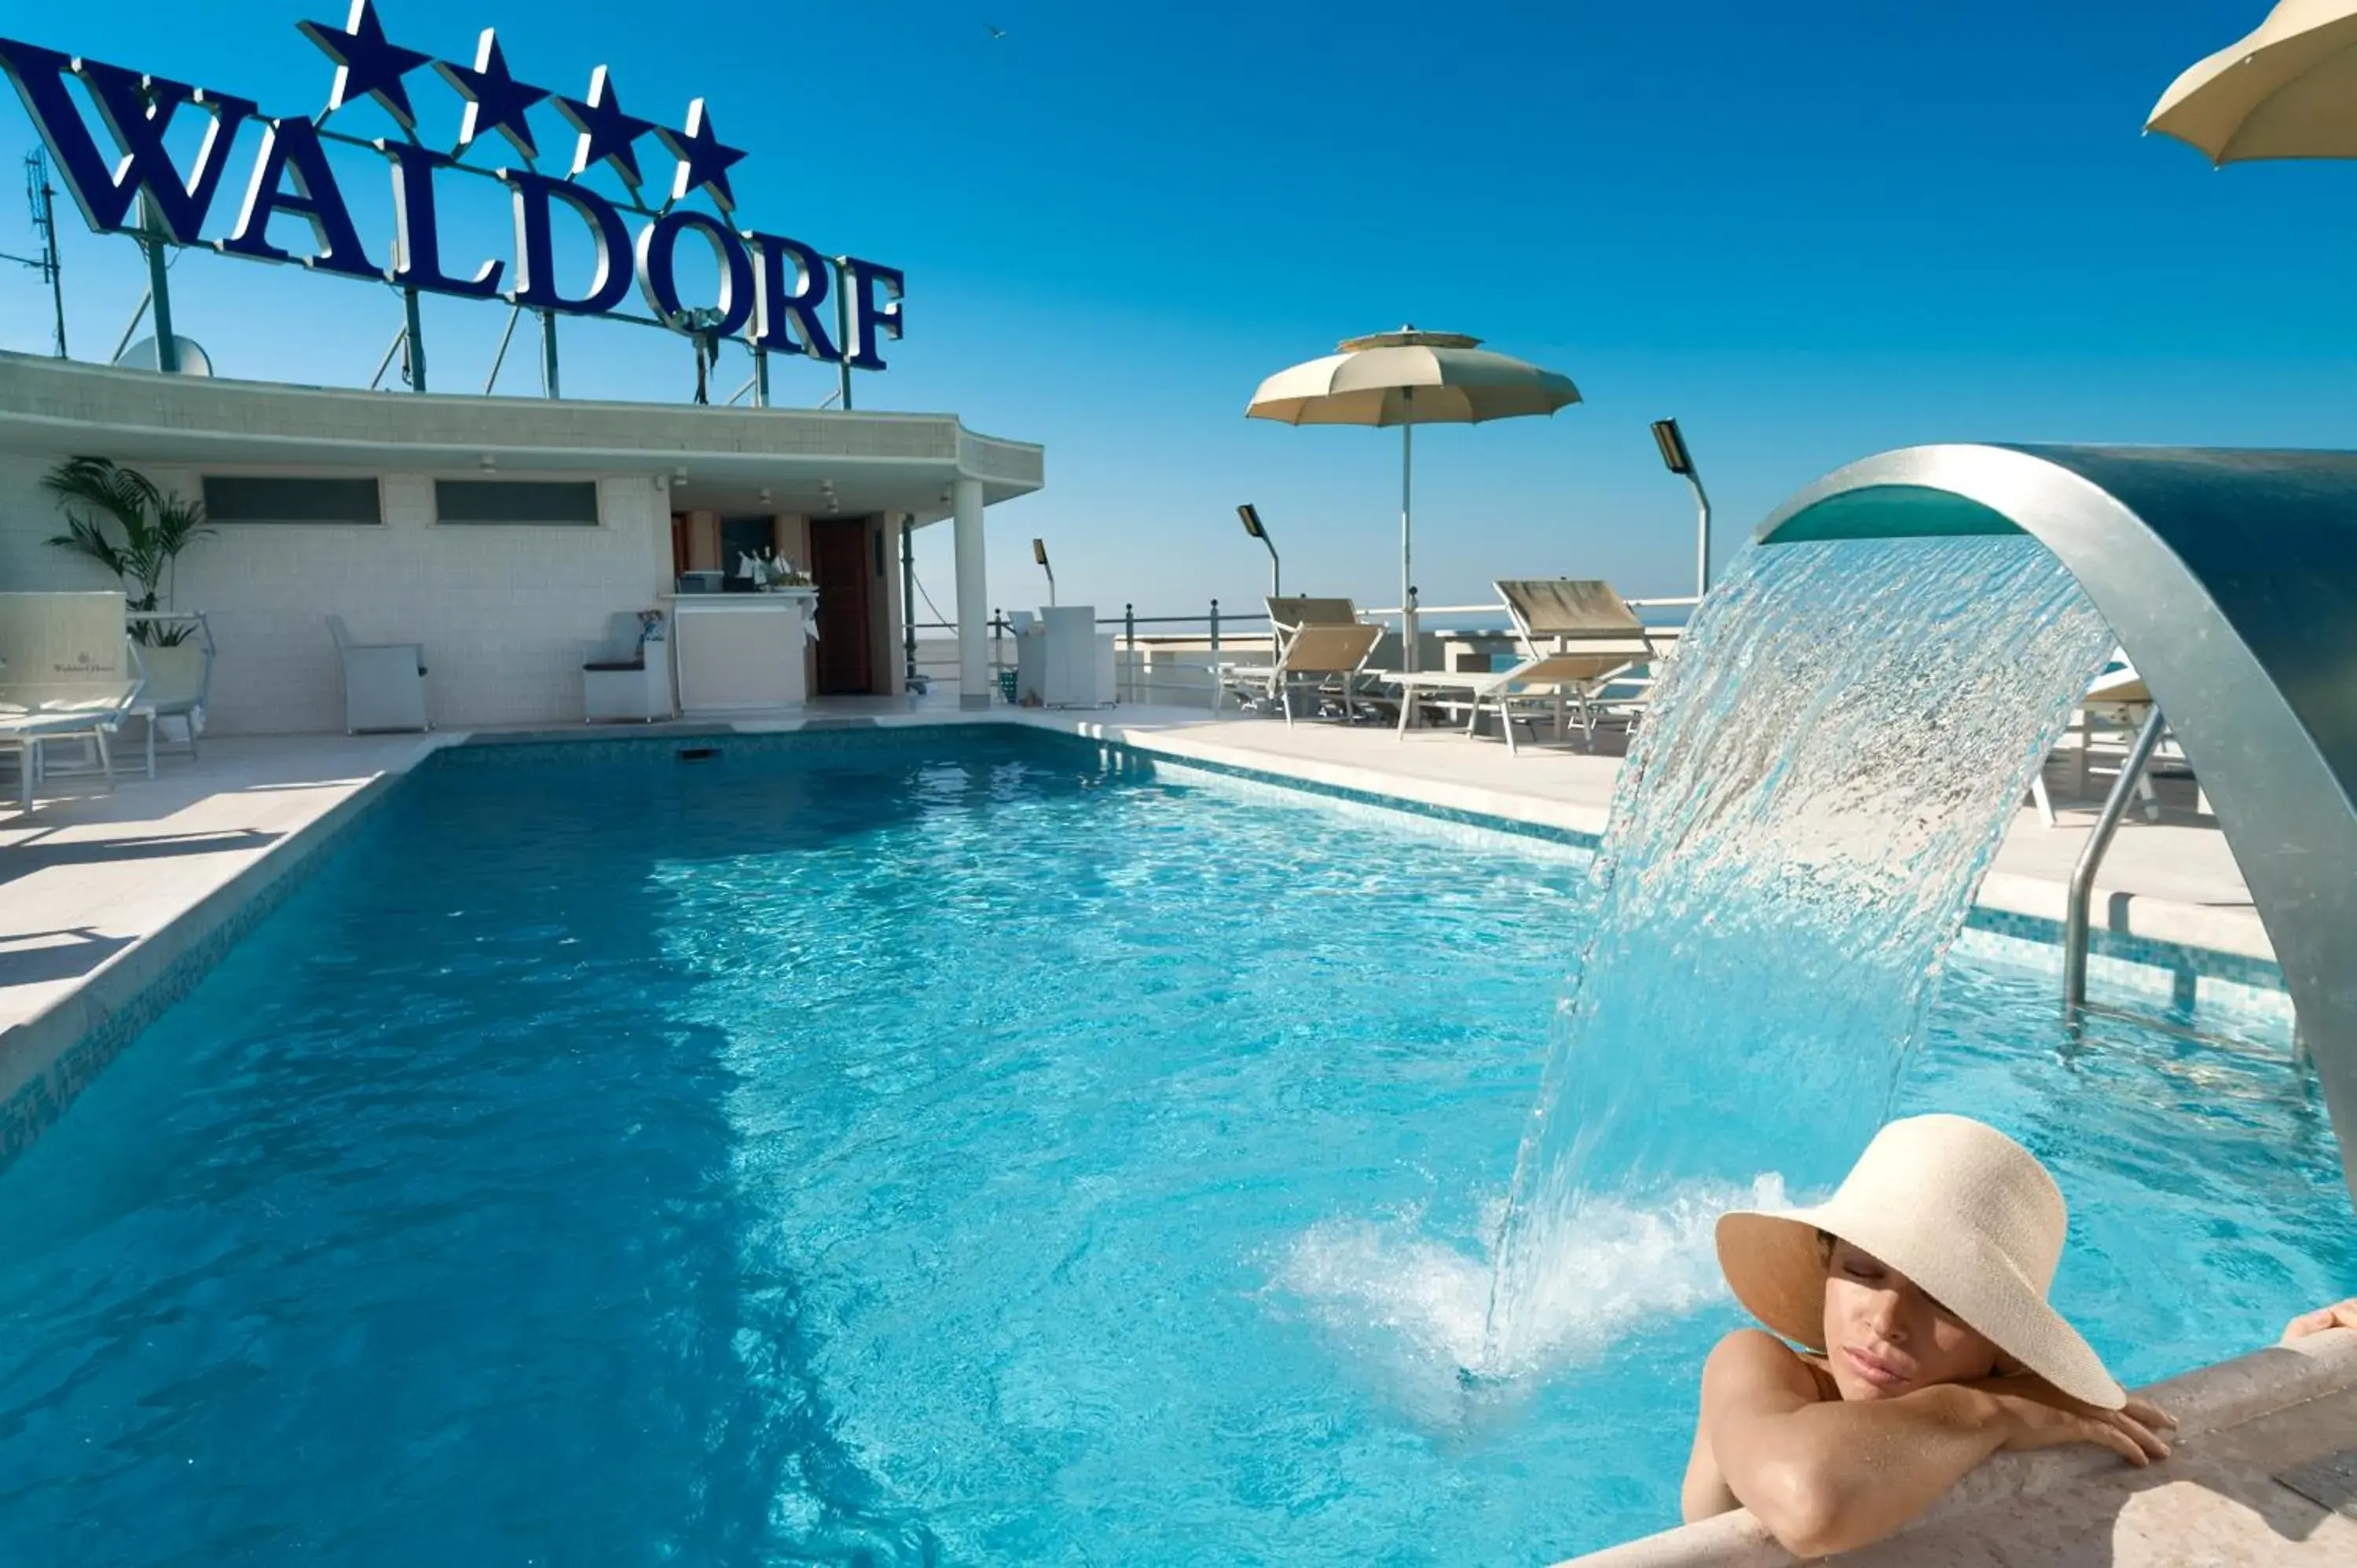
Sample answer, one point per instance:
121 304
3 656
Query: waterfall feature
1826 771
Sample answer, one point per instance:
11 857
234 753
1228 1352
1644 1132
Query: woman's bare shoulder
1752 1360
1749 1373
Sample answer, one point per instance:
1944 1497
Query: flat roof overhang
877 461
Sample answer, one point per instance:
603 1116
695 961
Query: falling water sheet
1828 767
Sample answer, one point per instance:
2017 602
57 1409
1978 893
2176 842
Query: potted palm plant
116 517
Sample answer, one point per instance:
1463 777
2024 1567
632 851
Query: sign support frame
159 289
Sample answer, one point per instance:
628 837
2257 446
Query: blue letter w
138 109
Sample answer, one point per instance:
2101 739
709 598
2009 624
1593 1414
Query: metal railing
1213 633
1218 634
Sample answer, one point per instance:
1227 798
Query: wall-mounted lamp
1251 515
765 495
488 462
679 476
1039 553
1679 461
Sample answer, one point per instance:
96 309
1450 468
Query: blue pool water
946 1150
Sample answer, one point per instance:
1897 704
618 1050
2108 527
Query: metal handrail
2090 857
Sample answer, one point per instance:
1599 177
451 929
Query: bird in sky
994 32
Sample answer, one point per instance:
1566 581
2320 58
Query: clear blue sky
1810 231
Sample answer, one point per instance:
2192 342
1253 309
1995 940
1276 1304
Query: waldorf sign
771 289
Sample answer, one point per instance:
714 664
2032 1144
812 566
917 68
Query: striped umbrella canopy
2286 90
1409 377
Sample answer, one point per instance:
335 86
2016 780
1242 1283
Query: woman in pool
1918 1297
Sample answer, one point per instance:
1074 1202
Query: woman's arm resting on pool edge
2340 1315
1824 1475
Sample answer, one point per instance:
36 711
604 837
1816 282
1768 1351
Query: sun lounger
69 671
1301 610
1578 636
1322 649
1337 663
32 716
2118 700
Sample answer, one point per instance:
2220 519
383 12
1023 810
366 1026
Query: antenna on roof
41 198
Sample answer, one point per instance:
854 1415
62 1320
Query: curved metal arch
2231 579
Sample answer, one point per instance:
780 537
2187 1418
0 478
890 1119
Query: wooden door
845 639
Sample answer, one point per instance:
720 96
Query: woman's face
1884 1337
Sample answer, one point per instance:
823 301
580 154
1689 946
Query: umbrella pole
1407 552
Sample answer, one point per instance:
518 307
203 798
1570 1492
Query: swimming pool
939 1146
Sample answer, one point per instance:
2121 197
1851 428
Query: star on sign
495 100
367 66
606 132
704 159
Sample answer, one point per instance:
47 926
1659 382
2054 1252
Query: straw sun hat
1958 1208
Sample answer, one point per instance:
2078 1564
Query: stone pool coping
2216 1499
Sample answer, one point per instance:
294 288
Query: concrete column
972 599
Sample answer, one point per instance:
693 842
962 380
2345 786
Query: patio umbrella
1409 377
2288 89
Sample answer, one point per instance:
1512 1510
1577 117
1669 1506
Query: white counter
738 653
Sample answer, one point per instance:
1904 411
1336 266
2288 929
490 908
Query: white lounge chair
385 682
2116 701
1318 643
69 671
1320 646
1289 614
1578 636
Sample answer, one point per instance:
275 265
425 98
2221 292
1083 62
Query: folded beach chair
1578 636
69 671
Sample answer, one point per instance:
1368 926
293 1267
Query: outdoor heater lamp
1039 553
1679 461
1251 514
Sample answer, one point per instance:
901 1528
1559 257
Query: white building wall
506 613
